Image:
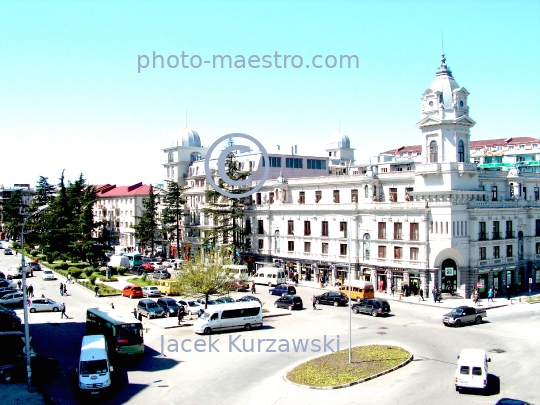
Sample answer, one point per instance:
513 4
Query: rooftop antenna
442 40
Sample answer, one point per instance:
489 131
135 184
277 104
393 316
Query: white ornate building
422 216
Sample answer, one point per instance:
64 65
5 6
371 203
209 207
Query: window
307 228
293 163
536 194
461 151
302 197
307 247
382 230
483 253
398 252
414 253
343 228
509 251
482 231
290 246
318 196
290 227
483 188
464 370
398 230
509 230
354 196
258 198
366 191
274 161
342 249
494 193
393 195
324 248
248 226
496 252
408 191
316 164
271 197
324 228
413 229
537 228
336 196
261 243
170 157
433 151
538 248
382 252
260 229
496 230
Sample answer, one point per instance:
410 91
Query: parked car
12 298
169 305
147 266
282 289
151 291
34 266
5 283
8 310
132 291
157 266
372 306
150 309
8 251
160 274
289 302
43 304
9 321
15 272
462 315
225 300
332 298
192 307
48 275
6 291
249 298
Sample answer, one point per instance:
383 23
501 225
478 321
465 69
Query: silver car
13 298
43 304
151 291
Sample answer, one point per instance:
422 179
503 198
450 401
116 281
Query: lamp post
349 242
25 303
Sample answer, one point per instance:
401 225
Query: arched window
366 191
461 151
433 152
170 157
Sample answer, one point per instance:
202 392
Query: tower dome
445 83
186 137
340 140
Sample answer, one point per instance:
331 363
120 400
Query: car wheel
269 284
478 320
317 302
55 309
131 296
207 331
32 310
457 324
336 303
374 313
290 308
276 305
247 326
355 310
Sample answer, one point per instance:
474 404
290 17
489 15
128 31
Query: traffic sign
478 285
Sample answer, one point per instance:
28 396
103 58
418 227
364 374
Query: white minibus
270 276
472 369
94 370
216 318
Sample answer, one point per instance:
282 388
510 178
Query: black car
34 266
282 290
289 302
332 298
249 298
169 305
373 306
9 321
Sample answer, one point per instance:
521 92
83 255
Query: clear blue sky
71 96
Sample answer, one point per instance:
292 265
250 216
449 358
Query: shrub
92 279
63 266
34 252
55 255
88 271
144 275
50 258
15 245
75 272
121 270
103 270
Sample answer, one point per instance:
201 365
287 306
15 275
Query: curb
353 382
273 315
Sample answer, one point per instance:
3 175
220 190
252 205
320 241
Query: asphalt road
233 375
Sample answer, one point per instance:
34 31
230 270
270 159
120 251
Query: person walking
96 290
63 311
19 285
112 305
421 295
30 289
61 289
490 295
68 281
181 314
392 290
434 293
253 290
314 300
65 289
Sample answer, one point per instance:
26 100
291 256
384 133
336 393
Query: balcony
497 235
482 236
510 235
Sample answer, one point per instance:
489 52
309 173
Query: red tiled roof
113 191
404 149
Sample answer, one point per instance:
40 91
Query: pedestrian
439 295
61 289
42 295
112 305
16 253
314 300
421 295
65 289
392 290
63 311
508 292
253 291
434 293
181 313
490 295
19 285
68 278
96 290
494 293
135 313
31 291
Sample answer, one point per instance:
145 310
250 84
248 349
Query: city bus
123 332
135 259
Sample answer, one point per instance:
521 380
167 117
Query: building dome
445 83
340 140
186 137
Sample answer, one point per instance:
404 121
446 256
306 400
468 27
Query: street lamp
25 303
349 242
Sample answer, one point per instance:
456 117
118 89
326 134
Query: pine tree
173 211
13 214
148 224
37 225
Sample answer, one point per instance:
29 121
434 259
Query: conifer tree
173 211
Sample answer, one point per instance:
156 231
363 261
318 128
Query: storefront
366 274
382 279
449 276
483 277
415 283
397 279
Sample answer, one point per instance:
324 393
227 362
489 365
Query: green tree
173 211
148 224
227 213
37 225
13 214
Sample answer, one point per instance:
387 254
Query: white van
119 260
94 370
270 276
238 271
472 369
216 318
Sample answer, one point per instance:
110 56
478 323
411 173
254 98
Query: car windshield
47 272
205 316
457 311
94 366
152 305
193 304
